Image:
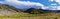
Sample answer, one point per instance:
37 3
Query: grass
26 15
18 15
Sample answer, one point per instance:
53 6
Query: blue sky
43 4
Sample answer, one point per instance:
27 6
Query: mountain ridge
8 9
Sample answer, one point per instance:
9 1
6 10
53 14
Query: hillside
8 9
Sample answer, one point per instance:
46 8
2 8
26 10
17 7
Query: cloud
25 4
53 8
28 4
51 0
58 8
58 1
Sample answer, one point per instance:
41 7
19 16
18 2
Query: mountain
37 11
8 9
40 11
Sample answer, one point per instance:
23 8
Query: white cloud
54 8
18 4
51 0
26 4
54 4
58 1
58 8
23 2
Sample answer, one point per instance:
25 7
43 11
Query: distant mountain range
33 10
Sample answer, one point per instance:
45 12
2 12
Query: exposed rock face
7 9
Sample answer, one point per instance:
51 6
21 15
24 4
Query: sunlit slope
8 9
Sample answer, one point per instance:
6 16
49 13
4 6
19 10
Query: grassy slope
21 15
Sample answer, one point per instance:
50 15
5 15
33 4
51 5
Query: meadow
32 16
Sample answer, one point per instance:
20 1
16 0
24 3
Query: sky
25 4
